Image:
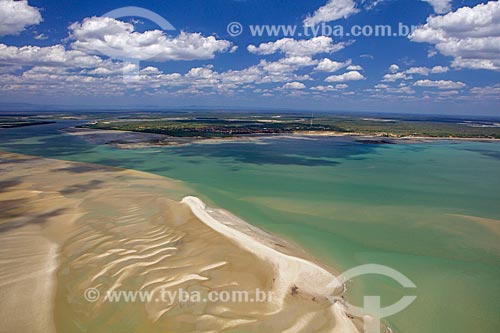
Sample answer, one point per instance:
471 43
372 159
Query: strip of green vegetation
12 124
219 127
415 128
209 128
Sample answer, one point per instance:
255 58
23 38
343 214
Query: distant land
133 129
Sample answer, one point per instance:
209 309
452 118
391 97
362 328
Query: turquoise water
413 207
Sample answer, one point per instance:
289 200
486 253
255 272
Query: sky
438 56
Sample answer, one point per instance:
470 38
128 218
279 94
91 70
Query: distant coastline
134 140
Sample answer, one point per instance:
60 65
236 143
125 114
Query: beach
67 227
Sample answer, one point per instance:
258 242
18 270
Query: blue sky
70 53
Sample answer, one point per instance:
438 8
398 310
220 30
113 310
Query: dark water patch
11 208
376 142
57 146
316 152
22 220
84 168
82 188
486 152
25 159
7 184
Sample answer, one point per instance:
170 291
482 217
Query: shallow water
429 210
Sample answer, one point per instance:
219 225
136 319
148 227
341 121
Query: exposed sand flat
28 262
289 270
66 227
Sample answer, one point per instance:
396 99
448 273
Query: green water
348 204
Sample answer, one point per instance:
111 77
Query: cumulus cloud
15 16
354 68
440 6
329 87
439 69
490 92
419 70
327 65
395 77
9 69
292 47
426 71
287 65
55 55
349 76
393 68
470 35
103 77
402 89
294 86
324 88
117 39
440 84
332 11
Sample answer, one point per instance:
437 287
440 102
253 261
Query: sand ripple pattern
112 229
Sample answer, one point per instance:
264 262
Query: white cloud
9 69
402 89
15 16
281 70
288 64
46 56
332 11
439 69
349 76
370 4
41 37
327 65
396 76
419 70
354 68
294 86
470 35
330 87
441 84
440 6
292 47
393 68
150 70
426 71
117 39
490 92
324 88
